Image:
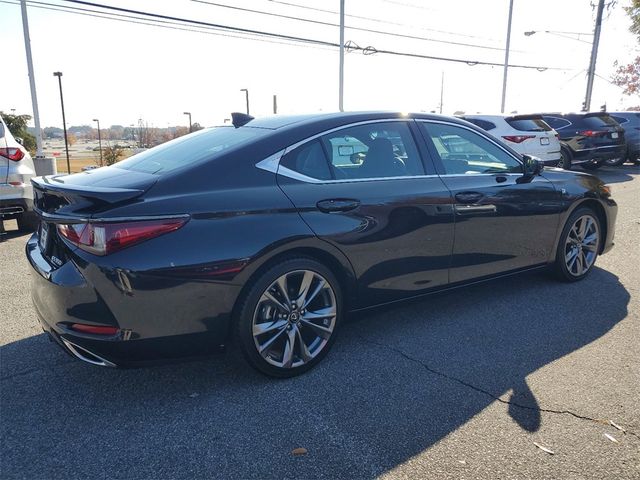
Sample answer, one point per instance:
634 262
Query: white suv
526 134
16 191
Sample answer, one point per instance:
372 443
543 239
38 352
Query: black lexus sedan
265 233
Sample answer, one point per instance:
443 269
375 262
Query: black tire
561 268
252 305
565 159
28 222
591 166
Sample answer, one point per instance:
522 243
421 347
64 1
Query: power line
360 29
151 23
301 39
379 20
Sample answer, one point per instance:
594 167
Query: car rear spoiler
533 116
53 186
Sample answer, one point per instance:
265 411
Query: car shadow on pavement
619 174
398 380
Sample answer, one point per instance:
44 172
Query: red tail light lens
518 138
15 154
106 238
592 133
93 329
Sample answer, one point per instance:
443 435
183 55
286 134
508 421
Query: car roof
275 122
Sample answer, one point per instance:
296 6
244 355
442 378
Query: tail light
15 154
94 329
518 138
105 238
592 133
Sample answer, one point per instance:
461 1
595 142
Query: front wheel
578 246
287 321
591 165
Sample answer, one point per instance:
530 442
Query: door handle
337 205
469 197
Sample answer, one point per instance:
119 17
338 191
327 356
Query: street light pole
246 93
32 80
99 139
341 68
189 113
594 54
506 59
64 121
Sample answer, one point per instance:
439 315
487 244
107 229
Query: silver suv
16 171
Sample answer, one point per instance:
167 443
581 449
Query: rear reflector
106 238
15 154
518 138
94 329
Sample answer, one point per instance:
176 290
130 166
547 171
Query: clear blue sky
120 72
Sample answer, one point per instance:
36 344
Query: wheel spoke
287 356
321 284
282 285
581 228
307 279
579 265
267 295
589 239
571 257
320 314
261 328
262 349
304 350
320 330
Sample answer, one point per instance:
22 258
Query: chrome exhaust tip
85 355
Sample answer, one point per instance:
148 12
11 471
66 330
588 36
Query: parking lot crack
488 393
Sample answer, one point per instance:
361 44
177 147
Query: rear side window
484 124
191 149
620 120
309 160
599 121
556 123
528 124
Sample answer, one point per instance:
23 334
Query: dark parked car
630 121
587 139
269 231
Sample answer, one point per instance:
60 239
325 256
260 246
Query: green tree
628 76
17 125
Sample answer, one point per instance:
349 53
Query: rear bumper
157 320
599 154
10 207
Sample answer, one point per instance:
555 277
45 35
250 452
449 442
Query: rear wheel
565 159
27 222
287 321
578 246
614 162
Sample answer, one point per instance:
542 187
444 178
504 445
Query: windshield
598 121
191 149
528 124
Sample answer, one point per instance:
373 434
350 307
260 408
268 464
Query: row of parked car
588 140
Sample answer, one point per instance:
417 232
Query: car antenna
240 119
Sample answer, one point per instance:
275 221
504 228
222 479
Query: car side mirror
531 167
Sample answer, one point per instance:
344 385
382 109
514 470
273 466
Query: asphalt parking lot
458 385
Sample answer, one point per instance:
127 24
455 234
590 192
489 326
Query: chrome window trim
272 162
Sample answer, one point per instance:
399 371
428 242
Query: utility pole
441 92
586 106
341 69
99 139
190 127
275 104
32 80
64 122
506 59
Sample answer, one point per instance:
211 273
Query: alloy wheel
581 246
294 319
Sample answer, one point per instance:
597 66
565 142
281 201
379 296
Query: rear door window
374 150
484 124
620 120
